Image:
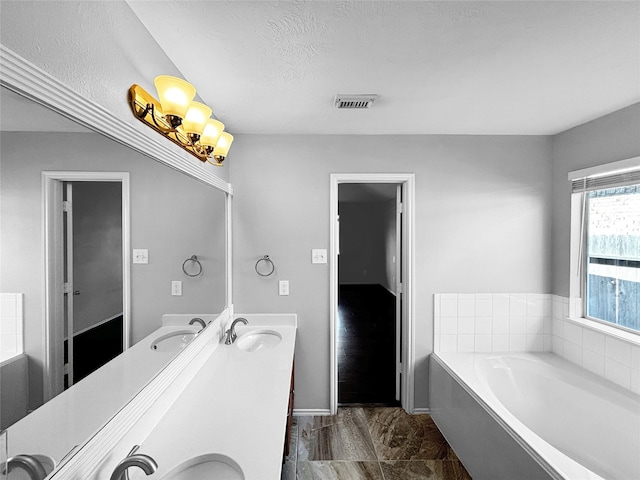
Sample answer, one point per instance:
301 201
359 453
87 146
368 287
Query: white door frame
407 180
52 268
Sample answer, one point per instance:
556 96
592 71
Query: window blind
620 179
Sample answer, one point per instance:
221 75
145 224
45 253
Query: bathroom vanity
214 409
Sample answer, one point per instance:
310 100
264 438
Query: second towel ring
194 259
268 261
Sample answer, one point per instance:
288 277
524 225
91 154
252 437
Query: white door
68 290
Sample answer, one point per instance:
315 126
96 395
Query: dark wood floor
366 346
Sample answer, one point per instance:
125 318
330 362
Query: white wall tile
436 324
547 326
449 305
466 343
593 362
8 344
635 381
466 325
499 343
483 343
573 333
436 304
557 345
501 305
572 352
501 325
535 325
484 325
484 305
617 372
517 343
8 305
9 325
618 350
556 307
448 325
466 305
635 357
565 307
518 305
547 343
517 325
557 327
448 343
536 305
535 343
593 341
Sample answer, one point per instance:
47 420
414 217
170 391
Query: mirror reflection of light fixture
180 119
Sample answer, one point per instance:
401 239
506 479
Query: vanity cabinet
287 437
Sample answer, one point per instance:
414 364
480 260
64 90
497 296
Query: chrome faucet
197 320
231 333
145 462
28 463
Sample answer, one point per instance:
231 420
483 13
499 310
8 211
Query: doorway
87 274
369 264
371 286
92 251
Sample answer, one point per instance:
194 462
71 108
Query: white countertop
73 416
236 405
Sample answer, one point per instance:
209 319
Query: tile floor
370 443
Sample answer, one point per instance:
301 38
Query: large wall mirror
172 216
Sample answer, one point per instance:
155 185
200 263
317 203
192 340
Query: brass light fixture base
149 111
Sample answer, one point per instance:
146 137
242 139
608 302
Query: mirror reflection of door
93 307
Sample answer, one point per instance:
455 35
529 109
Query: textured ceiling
439 67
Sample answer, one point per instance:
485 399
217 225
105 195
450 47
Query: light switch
140 255
319 255
176 288
283 287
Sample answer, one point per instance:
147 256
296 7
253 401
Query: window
612 254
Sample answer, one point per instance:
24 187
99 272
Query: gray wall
172 215
607 139
483 219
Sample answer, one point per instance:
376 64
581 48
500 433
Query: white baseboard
310 412
421 410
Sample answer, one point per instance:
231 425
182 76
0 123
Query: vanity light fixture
180 119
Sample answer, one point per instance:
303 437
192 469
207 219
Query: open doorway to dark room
368 294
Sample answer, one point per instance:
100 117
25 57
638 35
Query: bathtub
534 416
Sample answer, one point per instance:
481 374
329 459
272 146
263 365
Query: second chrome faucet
230 335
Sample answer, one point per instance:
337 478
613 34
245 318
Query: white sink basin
255 340
174 341
206 467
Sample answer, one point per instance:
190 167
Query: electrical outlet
176 288
140 255
283 287
319 255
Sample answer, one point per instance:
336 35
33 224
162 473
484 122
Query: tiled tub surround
499 322
11 311
606 351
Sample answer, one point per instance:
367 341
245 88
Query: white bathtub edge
507 421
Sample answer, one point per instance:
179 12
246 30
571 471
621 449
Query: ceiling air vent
355 101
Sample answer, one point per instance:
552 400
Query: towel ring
194 259
267 260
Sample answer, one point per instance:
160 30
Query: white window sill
633 338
